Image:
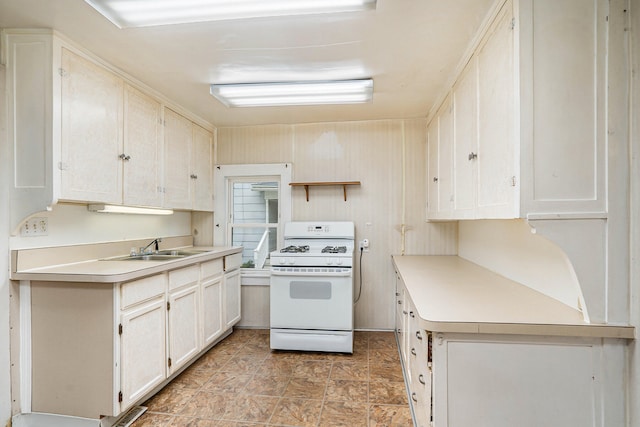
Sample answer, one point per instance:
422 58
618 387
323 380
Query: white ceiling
409 47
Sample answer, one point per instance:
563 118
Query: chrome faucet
154 241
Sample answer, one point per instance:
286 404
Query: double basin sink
165 255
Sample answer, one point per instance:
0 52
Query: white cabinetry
142 331
142 180
522 144
100 348
183 316
440 175
92 101
81 131
188 164
211 277
232 289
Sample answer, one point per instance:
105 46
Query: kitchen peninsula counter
454 295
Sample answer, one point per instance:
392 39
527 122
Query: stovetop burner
295 249
334 249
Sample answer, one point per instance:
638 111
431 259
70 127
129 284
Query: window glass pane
255 202
258 242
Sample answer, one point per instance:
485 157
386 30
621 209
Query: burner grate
295 249
334 249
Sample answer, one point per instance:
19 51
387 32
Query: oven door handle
312 273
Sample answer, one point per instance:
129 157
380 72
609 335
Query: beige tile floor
241 382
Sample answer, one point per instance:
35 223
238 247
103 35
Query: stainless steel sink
165 255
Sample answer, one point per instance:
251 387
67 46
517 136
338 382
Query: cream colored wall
509 248
634 156
388 158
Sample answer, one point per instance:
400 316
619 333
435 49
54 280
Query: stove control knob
329 261
339 261
281 260
291 261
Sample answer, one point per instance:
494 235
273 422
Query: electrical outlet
35 227
364 245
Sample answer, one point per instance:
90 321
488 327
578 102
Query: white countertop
454 295
110 271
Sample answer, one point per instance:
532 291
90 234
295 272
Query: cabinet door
212 309
142 148
143 359
445 151
178 136
92 98
202 169
497 195
465 142
184 333
432 168
231 298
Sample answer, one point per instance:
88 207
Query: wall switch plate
35 227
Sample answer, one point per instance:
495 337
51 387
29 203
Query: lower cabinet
505 380
183 308
100 348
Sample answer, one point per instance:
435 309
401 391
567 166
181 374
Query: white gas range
312 288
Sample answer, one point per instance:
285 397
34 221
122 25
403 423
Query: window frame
225 175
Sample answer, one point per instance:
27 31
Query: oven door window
303 289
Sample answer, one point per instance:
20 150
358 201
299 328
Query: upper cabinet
81 131
188 164
529 117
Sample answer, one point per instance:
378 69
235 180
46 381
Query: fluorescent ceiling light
128 210
294 93
145 13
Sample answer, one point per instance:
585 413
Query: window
252 204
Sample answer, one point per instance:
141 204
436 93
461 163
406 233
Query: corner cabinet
523 130
82 131
100 348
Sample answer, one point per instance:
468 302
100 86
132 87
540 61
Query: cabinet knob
419 335
404 311
413 351
473 156
435 179
194 176
124 157
412 314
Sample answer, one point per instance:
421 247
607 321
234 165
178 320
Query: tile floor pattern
241 382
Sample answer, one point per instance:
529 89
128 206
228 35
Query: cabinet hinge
120 329
513 181
169 362
119 397
168 306
513 23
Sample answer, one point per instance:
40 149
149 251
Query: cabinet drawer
183 276
211 268
231 262
142 290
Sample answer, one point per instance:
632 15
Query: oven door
311 298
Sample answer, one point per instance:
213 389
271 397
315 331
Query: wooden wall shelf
306 186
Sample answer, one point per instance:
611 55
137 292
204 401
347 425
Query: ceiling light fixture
128 210
294 93
146 13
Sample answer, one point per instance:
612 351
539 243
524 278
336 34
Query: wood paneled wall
388 158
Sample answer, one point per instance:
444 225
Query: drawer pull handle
414 397
419 335
413 351
404 311
412 314
421 379
399 302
